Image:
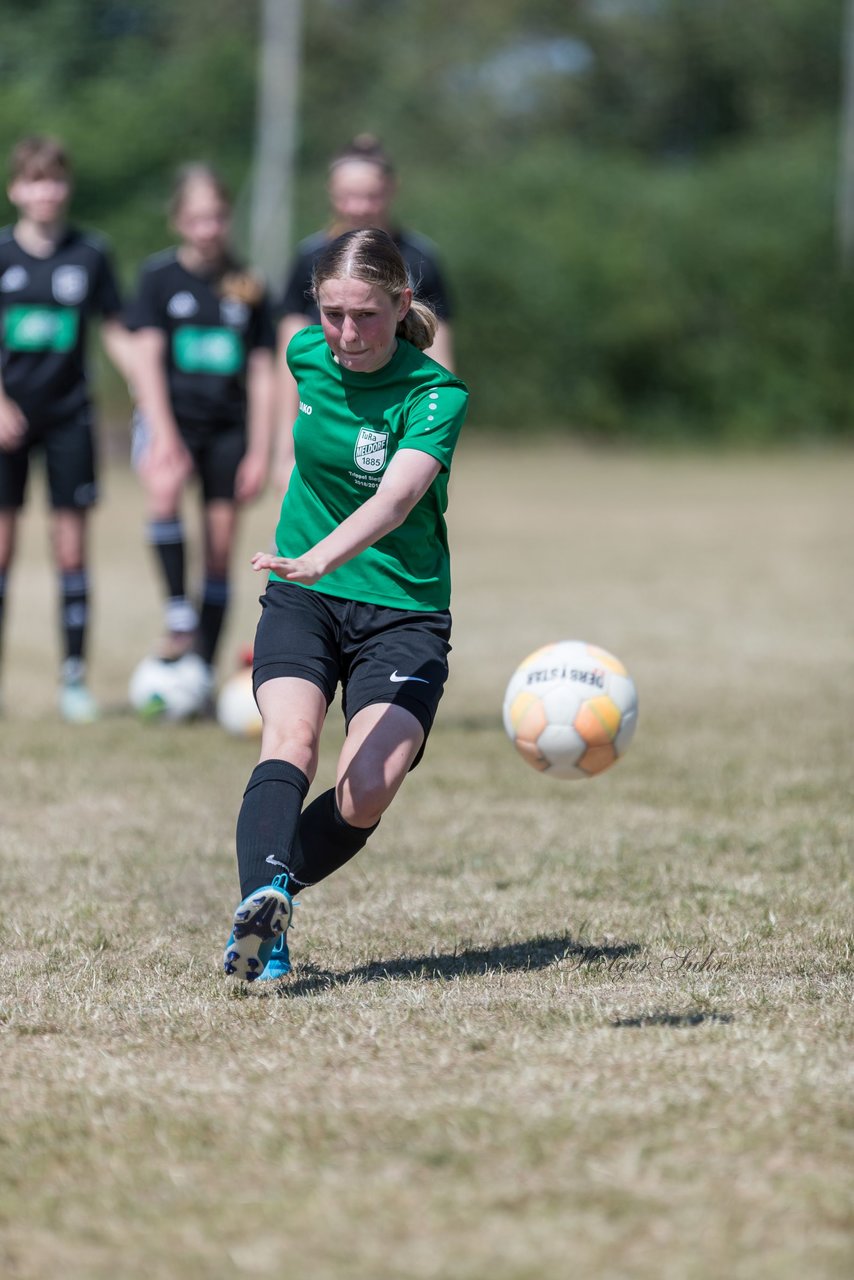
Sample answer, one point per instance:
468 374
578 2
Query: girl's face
203 221
42 199
360 322
360 195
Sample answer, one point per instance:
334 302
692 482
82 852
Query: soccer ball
570 709
236 710
170 690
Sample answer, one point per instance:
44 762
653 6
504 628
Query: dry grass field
539 1030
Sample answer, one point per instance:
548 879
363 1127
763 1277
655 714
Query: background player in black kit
53 278
204 384
361 186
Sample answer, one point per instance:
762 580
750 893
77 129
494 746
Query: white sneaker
76 704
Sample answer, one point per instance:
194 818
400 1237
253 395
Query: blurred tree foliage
634 198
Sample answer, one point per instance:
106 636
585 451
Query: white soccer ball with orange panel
571 709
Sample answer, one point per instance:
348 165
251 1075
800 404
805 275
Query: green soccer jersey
349 427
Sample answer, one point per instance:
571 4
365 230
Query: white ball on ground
236 709
171 690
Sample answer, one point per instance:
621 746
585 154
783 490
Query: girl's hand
167 457
303 569
250 477
13 424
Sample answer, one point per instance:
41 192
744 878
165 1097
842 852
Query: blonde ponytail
419 325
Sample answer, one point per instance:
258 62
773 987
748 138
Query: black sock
211 617
326 841
74 590
167 539
267 823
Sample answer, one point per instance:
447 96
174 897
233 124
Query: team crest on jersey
370 451
233 312
182 305
14 278
70 284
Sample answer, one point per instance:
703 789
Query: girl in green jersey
358 591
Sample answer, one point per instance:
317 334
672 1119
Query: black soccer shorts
376 654
217 452
69 450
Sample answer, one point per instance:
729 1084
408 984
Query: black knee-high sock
267 823
167 541
211 617
74 591
326 841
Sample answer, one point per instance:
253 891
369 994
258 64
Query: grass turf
536 1029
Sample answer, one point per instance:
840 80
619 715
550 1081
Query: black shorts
69 450
217 452
378 655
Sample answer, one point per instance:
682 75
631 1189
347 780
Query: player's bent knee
363 809
295 745
363 796
368 803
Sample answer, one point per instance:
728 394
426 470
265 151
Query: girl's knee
295 743
363 799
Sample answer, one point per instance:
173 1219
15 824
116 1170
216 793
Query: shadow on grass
536 953
693 1018
483 722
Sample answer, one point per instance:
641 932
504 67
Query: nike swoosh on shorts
396 679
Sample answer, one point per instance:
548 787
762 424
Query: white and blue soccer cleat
279 964
260 922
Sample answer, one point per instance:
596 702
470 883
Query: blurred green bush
655 302
634 199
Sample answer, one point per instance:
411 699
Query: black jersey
419 254
210 332
45 304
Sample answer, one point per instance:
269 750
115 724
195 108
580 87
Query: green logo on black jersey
40 328
214 350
